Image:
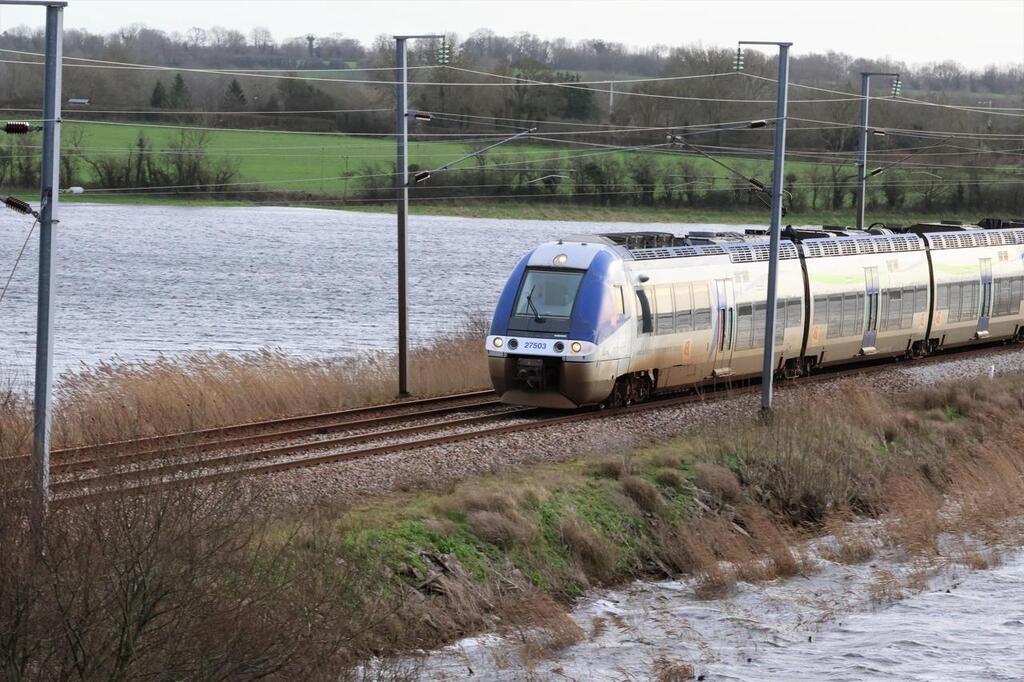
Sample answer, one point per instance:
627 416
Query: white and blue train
610 319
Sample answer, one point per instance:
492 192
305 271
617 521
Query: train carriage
979 285
869 296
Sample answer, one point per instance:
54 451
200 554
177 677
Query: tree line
308 98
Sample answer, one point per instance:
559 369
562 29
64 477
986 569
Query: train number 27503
535 345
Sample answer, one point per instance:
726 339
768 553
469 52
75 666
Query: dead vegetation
667 670
541 628
717 481
597 557
645 494
189 584
118 401
848 542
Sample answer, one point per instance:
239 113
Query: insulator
17 127
16 204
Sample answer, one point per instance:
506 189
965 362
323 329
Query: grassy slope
743 498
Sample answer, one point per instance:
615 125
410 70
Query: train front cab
559 335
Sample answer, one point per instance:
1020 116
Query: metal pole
611 97
50 185
402 184
862 164
768 370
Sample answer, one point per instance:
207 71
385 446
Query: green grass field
316 162
288 161
333 168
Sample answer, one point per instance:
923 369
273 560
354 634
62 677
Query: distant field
293 161
299 161
317 165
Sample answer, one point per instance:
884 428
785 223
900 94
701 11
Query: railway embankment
316 592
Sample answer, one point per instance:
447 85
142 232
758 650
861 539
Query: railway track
213 455
252 433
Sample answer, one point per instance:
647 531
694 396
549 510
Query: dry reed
114 401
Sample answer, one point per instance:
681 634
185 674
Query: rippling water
967 625
137 281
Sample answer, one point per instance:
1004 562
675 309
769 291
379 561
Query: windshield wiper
529 302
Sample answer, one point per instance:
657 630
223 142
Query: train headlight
513 344
559 346
560 259
498 342
576 347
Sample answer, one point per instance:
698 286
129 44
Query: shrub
644 493
503 529
718 481
596 555
670 478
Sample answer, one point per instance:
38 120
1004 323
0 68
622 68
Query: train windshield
548 293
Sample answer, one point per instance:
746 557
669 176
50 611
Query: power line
98 63
904 100
166 112
17 261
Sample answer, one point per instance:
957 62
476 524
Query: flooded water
965 625
139 281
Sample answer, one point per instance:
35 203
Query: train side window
954 302
787 315
835 315
701 306
619 300
666 311
702 319
1001 297
1008 295
794 313
684 306
820 310
895 312
744 326
1000 300
853 314
760 320
645 323
909 306
942 297
969 300
921 304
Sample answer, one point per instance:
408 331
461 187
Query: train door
986 297
871 326
726 327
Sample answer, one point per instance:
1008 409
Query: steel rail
170 451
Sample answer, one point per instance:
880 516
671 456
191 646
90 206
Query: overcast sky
973 32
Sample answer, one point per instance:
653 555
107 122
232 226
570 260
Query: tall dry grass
15 421
937 460
186 585
118 401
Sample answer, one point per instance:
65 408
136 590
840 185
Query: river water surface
831 625
139 281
